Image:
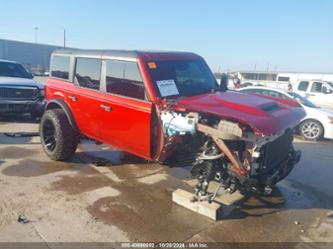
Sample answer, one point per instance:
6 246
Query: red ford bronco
168 107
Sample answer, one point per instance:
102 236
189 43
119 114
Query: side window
326 89
123 78
317 87
60 67
263 92
303 86
269 93
88 72
277 95
257 91
283 78
274 94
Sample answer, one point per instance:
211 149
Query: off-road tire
65 136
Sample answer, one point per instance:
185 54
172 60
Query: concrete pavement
128 199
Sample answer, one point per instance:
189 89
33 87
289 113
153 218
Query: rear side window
60 67
88 73
317 87
303 85
123 78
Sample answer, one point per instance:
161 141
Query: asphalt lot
128 199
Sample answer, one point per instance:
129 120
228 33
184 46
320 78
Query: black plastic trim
62 104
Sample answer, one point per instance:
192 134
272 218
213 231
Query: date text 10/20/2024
164 245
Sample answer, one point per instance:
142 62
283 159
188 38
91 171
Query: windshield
8 69
302 100
330 83
174 78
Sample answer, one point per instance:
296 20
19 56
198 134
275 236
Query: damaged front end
227 152
243 141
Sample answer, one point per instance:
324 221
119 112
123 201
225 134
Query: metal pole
64 38
36 29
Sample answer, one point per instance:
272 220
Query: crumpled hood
14 81
265 115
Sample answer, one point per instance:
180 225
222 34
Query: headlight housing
42 93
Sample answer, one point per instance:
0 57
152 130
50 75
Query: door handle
106 107
72 98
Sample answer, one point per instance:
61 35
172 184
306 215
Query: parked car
318 92
19 93
167 107
318 122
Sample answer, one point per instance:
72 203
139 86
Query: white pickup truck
319 92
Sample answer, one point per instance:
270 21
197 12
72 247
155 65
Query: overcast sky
290 35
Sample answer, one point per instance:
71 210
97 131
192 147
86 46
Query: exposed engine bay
228 152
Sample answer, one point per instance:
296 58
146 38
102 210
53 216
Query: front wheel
311 130
58 138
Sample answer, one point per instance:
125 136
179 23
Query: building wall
34 56
294 77
288 77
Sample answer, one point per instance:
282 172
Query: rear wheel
311 130
58 138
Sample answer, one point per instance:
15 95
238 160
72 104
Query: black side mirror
326 90
224 82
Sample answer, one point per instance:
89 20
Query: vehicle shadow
288 195
256 206
297 191
109 158
18 129
18 118
19 138
308 187
322 140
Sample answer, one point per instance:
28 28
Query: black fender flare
59 103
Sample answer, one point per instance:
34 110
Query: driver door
126 117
